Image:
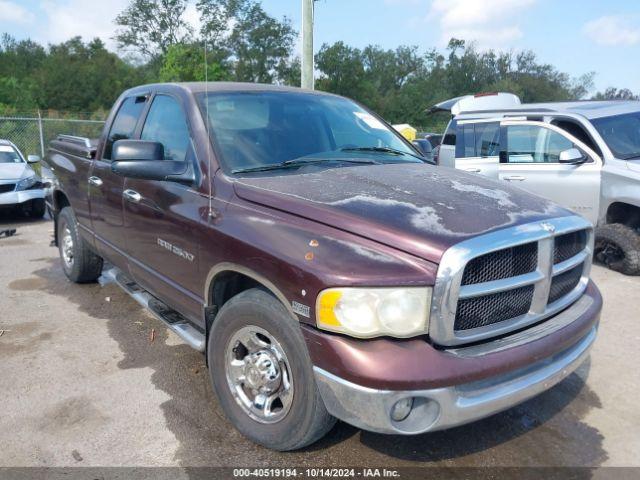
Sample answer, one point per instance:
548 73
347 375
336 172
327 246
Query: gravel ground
82 384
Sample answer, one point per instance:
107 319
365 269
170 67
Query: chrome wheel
67 247
258 374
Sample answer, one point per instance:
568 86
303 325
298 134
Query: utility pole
307 44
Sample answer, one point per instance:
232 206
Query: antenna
207 121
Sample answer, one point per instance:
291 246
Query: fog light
401 409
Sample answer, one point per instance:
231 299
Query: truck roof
200 87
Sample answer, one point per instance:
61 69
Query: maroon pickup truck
322 265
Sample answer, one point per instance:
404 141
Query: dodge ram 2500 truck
323 267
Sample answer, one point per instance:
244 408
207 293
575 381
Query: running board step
172 319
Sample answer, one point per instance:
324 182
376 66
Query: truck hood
417 208
15 171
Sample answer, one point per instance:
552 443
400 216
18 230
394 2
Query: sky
575 36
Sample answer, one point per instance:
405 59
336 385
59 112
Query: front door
531 160
105 187
477 147
162 217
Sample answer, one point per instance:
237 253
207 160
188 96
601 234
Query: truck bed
78 146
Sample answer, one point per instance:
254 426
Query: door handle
472 170
132 196
95 181
515 178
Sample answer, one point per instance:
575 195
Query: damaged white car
20 186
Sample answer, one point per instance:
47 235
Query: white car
584 155
20 186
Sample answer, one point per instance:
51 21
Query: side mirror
141 150
33 158
572 156
424 147
145 161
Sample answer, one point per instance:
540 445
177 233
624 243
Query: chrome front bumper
15 198
441 408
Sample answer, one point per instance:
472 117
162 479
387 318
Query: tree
260 45
151 26
612 93
343 71
83 77
185 63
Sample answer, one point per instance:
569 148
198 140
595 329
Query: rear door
530 160
162 217
105 187
478 147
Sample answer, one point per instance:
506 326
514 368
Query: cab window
124 123
534 144
167 124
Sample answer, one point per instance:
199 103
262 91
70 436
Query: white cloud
88 19
490 23
612 30
11 12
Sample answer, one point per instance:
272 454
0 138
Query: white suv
583 155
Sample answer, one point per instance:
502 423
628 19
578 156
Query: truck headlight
372 312
27 183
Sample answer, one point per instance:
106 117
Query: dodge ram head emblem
548 227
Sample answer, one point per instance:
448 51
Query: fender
233 267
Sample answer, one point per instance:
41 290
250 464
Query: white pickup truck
584 155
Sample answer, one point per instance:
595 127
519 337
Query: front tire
262 373
618 247
79 262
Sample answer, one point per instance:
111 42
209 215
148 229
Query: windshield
621 134
254 130
8 154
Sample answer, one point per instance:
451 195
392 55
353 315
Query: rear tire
256 318
618 247
79 262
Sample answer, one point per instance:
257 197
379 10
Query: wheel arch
60 200
623 212
226 280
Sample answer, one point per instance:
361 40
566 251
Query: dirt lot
82 384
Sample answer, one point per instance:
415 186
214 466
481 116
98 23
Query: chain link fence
32 134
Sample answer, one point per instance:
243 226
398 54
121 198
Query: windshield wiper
392 151
297 162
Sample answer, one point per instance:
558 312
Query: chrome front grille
506 280
506 263
569 245
493 308
564 283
